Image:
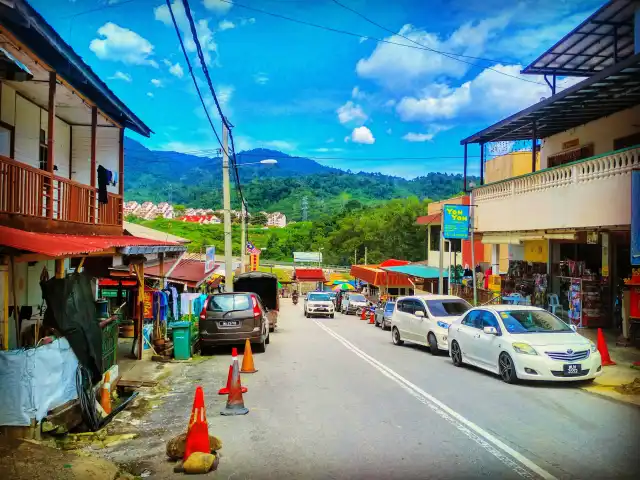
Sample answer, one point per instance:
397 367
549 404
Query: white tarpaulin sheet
36 380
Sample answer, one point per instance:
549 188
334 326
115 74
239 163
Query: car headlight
444 325
594 349
524 348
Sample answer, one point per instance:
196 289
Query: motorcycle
295 299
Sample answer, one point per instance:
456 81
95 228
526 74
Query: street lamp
243 216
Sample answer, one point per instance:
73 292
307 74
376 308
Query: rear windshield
447 308
357 298
225 303
389 307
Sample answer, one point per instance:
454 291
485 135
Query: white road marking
507 455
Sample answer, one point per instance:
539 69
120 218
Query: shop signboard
108 292
455 221
605 254
210 259
148 304
254 262
635 218
307 257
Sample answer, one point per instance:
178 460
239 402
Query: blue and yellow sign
455 221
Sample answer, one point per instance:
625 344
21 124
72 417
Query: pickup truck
265 285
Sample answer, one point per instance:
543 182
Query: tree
178 209
259 218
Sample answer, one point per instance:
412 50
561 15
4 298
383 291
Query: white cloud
363 39
350 113
121 76
486 96
226 25
121 44
224 94
261 78
156 83
362 135
398 68
418 137
218 7
282 145
357 94
149 94
205 34
327 150
248 143
247 21
176 70
389 131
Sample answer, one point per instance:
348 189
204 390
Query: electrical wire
446 54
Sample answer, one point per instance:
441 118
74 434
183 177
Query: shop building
379 283
566 223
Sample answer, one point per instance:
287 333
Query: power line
446 54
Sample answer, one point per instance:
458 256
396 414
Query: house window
6 141
434 238
44 150
628 141
569 156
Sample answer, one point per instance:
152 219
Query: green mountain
195 181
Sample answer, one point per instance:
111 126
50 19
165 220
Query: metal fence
110 330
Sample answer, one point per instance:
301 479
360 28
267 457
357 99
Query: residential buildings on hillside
276 219
149 210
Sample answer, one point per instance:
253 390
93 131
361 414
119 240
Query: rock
176 446
199 462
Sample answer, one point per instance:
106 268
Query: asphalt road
334 398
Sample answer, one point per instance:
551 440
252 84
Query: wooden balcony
590 193
35 200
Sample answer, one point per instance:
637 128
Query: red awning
373 275
392 262
60 245
309 275
433 219
110 282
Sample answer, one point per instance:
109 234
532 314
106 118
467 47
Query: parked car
232 318
383 315
523 343
425 320
333 296
353 301
265 285
318 304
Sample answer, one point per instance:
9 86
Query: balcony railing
32 192
586 193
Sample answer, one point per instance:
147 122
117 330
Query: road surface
334 398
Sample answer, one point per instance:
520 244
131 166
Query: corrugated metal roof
60 245
309 275
188 271
420 271
434 218
146 232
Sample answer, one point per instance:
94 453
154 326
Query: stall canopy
60 245
188 272
434 218
376 276
392 262
417 270
309 275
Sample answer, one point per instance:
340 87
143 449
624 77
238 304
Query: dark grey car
383 315
232 318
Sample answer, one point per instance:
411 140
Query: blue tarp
36 380
635 218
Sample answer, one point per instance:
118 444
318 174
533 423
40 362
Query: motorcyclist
294 297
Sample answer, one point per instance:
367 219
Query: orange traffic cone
225 390
363 315
235 402
105 394
247 359
604 350
198 431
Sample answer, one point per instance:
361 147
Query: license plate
229 323
572 369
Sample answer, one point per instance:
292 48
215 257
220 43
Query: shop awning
12 69
60 245
188 271
518 238
309 275
434 218
374 275
419 271
110 282
392 262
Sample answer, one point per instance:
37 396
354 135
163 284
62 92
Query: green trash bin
181 340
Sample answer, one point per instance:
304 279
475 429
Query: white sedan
522 343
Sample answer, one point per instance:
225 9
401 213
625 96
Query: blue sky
349 101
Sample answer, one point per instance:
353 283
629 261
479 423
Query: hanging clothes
102 184
114 179
160 305
174 302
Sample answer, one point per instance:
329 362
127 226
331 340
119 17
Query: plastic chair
554 303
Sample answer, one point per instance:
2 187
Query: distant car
425 320
383 315
352 301
318 304
232 318
522 343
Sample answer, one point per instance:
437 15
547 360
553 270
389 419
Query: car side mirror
419 314
490 330
574 328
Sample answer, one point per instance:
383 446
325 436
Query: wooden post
482 163
464 188
141 314
59 267
121 177
51 114
534 140
94 126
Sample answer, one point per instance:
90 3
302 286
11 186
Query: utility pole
355 256
305 208
365 255
473 252
243 238
226 203
441 266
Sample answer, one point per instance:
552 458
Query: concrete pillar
495 259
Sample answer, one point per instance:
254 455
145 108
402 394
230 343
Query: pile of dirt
632 388
29 460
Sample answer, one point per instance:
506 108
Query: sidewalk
616 376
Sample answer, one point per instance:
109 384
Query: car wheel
456 354
433 344
268 340
395 336
332 316
507 368
261 347
272 329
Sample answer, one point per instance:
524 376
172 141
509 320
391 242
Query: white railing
587 170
